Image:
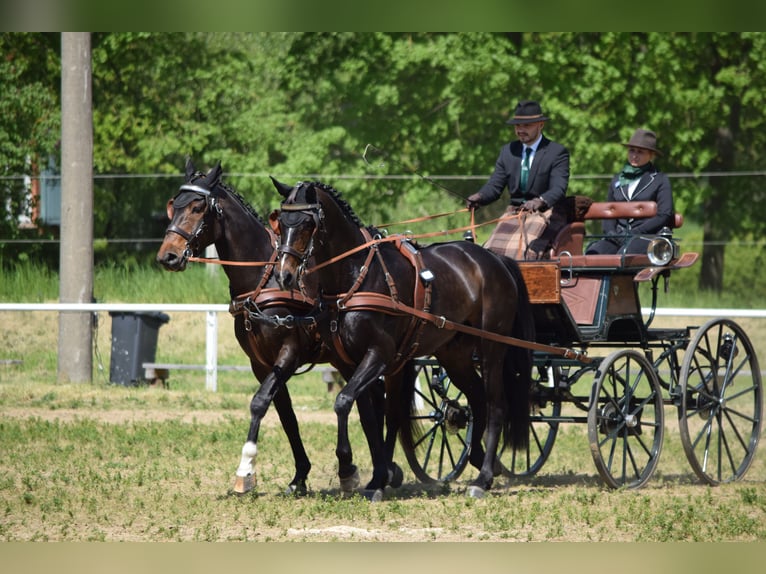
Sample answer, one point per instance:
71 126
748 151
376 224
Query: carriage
577 303
709 374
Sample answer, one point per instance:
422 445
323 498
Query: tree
438 103
307 104
29 118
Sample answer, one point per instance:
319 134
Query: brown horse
273 326
386 300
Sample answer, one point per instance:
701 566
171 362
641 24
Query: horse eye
198 206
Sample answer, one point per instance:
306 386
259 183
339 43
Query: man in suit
536 172
639 180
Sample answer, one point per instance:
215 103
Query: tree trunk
713 250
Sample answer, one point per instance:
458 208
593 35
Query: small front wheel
436 436
625 419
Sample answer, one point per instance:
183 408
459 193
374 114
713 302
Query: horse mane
344 205
231 191
236 195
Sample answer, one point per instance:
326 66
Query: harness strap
178 231
377 301
363 269
383 304
443 323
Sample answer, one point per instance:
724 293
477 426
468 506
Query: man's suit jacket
548 176
653 186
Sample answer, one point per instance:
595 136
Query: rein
353 300
471 227
442 322
377 240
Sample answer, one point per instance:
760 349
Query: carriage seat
571 237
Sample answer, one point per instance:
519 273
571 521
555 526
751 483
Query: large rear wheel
719 416
436 436
625 419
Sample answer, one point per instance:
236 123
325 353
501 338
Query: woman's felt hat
645 139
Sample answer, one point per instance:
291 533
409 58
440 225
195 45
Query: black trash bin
134 342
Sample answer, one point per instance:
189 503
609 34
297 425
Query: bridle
313 210
213 206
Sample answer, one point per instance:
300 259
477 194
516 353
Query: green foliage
29 118
299 105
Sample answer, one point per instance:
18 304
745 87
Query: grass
90 476
103 462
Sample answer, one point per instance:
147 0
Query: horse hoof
350 483
244 484
373 495
296 489
475 492
395 476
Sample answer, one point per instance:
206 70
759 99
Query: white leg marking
246 463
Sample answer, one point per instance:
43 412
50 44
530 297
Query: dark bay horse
386 300
273 326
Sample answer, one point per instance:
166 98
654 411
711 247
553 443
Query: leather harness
355 300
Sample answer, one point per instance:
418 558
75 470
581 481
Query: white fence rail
212 310
211 323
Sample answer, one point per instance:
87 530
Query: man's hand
535 205
473 201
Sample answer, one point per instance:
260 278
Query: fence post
211 352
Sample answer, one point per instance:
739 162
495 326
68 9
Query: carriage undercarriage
710 374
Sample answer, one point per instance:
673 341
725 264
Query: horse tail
517 367
410 429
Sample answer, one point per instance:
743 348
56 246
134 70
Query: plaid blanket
529 236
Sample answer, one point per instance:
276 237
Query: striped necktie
525 169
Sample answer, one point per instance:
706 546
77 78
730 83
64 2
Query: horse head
299 220
191 212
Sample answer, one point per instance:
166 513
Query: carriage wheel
719 416
437 440
542 432
625 419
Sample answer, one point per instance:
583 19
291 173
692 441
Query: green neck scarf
630 173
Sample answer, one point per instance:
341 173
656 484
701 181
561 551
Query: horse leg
284 407
458 363
365 374
245 480
496 415
394 385
370 407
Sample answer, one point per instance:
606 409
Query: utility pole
75 355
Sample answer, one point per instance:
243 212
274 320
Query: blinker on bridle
192 238
312 209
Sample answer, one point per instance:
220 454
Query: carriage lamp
662 249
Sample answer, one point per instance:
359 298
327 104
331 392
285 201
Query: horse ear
190 169
169 209
283 189
274 221
213 176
